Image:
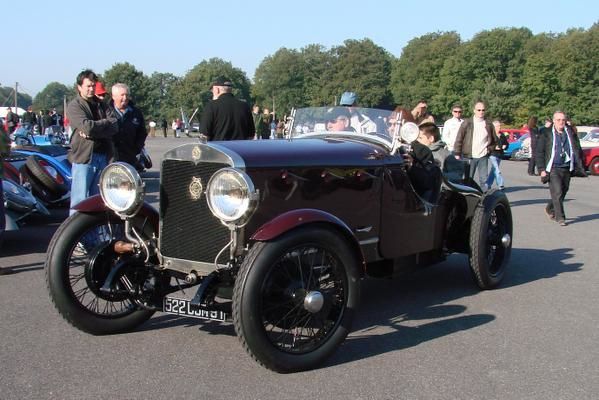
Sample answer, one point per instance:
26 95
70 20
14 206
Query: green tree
160 88
193 90
53 96
280 81
363 67
577 58
139 84
416 74
492 59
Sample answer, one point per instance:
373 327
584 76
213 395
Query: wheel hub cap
313 302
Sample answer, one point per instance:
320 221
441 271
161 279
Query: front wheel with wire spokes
295 298
80 259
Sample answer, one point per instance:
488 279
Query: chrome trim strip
236 160
370 241
187 266
205 152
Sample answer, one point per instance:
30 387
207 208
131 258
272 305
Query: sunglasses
457 111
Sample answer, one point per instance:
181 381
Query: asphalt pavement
431 335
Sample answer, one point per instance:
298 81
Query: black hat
335 112
221 81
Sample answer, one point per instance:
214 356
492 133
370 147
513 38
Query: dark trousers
559 183
531 165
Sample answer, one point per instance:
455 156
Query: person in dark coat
12 120
132 133
225 117
558 159
534 133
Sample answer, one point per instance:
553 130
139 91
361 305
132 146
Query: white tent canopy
4 110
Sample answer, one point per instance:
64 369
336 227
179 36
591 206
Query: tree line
516 73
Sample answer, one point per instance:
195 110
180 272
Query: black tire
269 301
74 285
38 189
47 175
594 166
491 234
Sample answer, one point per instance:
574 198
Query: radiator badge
196 153
196 188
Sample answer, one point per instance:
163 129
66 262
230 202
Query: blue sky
53 40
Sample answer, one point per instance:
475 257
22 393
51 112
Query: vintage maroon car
275 234
591 159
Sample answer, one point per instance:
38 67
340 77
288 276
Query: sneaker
549 214
562 223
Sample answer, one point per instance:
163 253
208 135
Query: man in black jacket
131 137
225 117
91 142
557 158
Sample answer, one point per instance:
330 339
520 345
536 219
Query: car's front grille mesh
188 228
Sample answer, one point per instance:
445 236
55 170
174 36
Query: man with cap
100 92
225 117
338 120
360 122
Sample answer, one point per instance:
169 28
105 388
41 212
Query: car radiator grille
188 229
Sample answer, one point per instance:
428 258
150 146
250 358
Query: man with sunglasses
451 126
338 119
475 140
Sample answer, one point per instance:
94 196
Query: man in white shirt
474 141
451 126
359 121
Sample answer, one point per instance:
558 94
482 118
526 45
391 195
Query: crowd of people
555 153
114 129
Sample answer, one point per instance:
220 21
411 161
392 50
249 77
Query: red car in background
591 159
513 134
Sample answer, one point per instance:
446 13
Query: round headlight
409 132
231 196
121 188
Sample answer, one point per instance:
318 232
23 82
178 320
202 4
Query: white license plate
173 305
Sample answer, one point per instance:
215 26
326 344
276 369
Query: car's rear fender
293 219
95 204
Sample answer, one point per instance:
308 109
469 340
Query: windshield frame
310 123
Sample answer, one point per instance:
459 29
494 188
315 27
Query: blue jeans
86 178
495 173
480 166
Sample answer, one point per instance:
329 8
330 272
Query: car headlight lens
121 188
231 196
409 132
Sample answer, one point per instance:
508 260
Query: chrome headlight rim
242 215
135 201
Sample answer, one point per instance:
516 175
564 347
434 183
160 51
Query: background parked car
519 149
591 159
513 134
589 137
